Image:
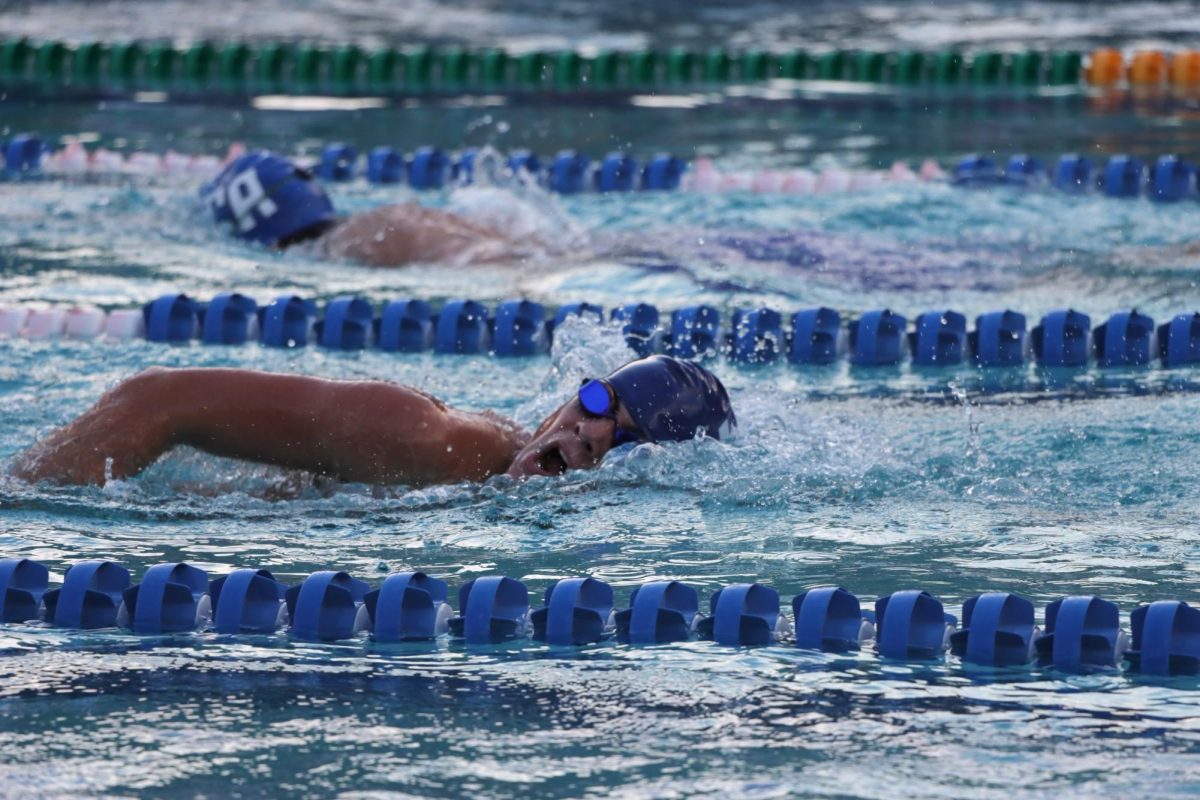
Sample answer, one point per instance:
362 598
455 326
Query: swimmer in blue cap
369 431
267 199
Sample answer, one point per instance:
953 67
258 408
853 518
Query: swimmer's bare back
409 233
359 431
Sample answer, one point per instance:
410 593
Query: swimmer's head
655 399
269 199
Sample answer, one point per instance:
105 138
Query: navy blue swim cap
670 399
267 199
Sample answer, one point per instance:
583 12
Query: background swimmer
268 199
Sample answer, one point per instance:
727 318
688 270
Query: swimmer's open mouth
552 462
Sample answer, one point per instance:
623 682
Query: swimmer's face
569 438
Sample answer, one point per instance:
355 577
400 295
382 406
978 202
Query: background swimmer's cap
671 399
267 199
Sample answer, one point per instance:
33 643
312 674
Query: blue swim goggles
599 399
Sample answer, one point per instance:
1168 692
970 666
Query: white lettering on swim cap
245 196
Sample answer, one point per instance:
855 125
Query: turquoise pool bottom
820 486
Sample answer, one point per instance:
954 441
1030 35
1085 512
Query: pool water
877 480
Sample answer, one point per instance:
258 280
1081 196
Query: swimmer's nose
595 435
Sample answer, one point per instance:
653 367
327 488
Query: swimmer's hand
362 431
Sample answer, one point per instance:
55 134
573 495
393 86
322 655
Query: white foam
518 207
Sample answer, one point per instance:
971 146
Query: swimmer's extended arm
357 431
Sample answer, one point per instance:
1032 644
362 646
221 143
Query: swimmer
270 200
369 431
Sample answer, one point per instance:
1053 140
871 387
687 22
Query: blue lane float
90 596
640 325
1124 340
492 609
1023 169
975 170
326 607
998 339
1171 180
939 340
338 162
171 318
170 599
429 168
1123 176
229 318
1072 173
569 173
912 625
1061 339
815 338
462 327
832 619
408 607
1081 634
744 614
385 166
287 321
659 612
617 173
406 326
1179 340
247 601
758 336
523 161
663 173
347 324
695 332
23 153
521 327
462 171
1166 639
577 611
877 339
23 583
997 630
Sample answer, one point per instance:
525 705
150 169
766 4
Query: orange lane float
1106 68
1185 69
1147 68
